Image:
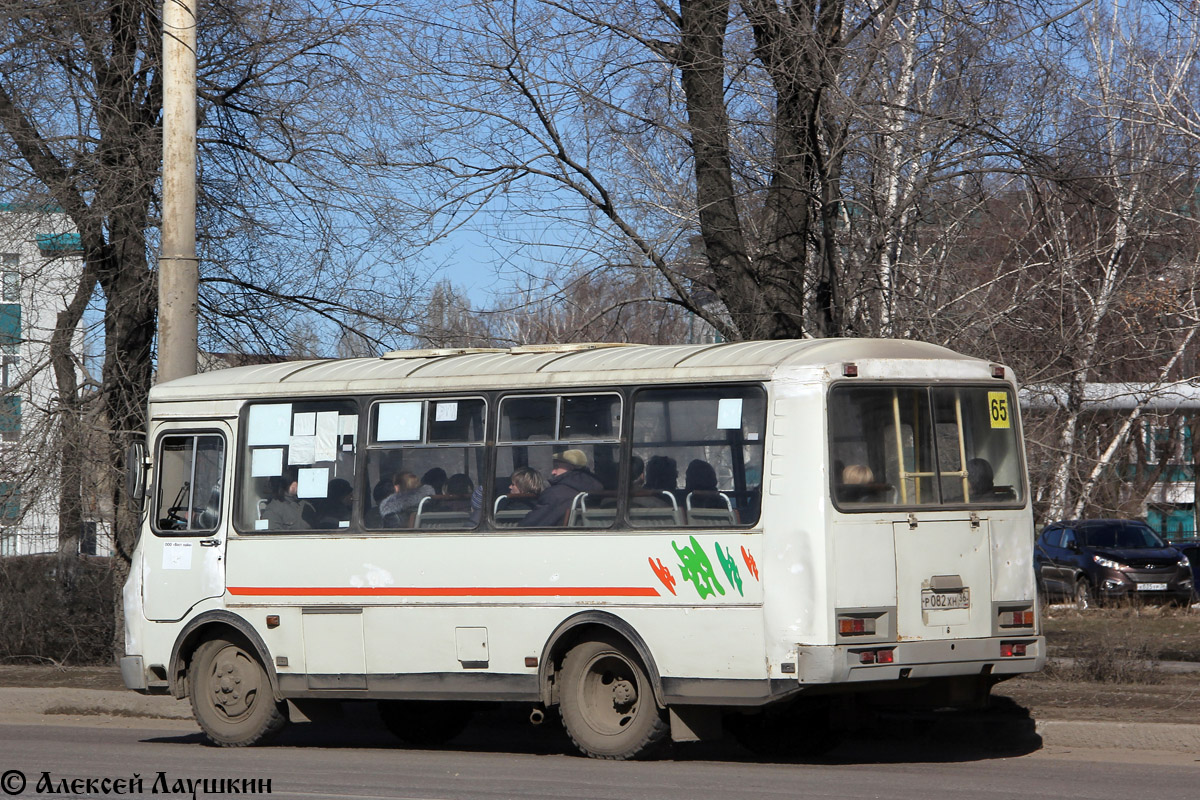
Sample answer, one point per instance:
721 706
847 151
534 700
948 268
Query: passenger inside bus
397 507
700 486
661 474
334 508
459 488
858 485
568 477
524 486
284 510
435 479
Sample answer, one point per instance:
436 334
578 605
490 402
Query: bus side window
190 476
697 457
559 457
298 466
425 460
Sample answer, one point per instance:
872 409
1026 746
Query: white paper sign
269 424
261 524
302 450
327 436
729 414
349 424
177 555
313 482
266 462
399 422
446 412
304 423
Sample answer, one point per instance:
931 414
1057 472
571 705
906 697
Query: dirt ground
1106 664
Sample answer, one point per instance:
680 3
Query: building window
8 371
10 278
10 421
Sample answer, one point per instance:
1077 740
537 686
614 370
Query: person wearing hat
568 477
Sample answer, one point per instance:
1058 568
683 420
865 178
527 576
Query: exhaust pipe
537 716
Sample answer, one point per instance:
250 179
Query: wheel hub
624 694
228 691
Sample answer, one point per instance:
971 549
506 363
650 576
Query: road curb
979 729
1167 737
91 702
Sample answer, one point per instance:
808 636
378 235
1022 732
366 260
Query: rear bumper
915 660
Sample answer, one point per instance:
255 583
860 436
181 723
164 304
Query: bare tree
296 202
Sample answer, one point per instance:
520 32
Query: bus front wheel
607 703
231 695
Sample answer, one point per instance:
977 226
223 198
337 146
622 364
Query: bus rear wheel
607 703
231 695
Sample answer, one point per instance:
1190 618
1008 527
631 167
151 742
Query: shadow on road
1004 731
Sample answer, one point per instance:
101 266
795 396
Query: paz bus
657 541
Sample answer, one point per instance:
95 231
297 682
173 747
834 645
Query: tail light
1012 649
882 655
1017 618
856 626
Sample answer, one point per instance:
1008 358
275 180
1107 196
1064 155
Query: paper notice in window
729 414
327 436
304 423
266 462
177 555
269 424
313 482
446 412
399 422
302 450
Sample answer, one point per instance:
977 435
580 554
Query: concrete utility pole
178 267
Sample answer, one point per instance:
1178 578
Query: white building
39 270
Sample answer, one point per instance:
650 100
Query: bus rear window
923 446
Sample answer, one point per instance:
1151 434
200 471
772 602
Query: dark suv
1093 560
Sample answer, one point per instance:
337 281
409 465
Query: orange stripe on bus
444 591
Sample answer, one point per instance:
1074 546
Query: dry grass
1122 644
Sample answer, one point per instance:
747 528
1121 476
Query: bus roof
551 365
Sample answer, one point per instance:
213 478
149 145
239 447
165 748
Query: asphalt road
349 760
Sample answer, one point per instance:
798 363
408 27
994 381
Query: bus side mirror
135 475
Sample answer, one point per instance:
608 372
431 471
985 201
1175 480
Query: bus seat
505 517
429 517
596 516
662 509
575 514
709 508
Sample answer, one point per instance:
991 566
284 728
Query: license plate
937 601
1152 587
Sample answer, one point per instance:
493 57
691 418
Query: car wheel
1083 595
231 694
607 703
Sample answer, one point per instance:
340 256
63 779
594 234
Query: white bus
654 540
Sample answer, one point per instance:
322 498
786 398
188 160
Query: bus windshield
923 446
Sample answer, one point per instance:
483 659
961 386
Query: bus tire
424 723
607 702
231 694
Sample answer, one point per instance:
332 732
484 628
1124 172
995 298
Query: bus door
184 541
943 578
